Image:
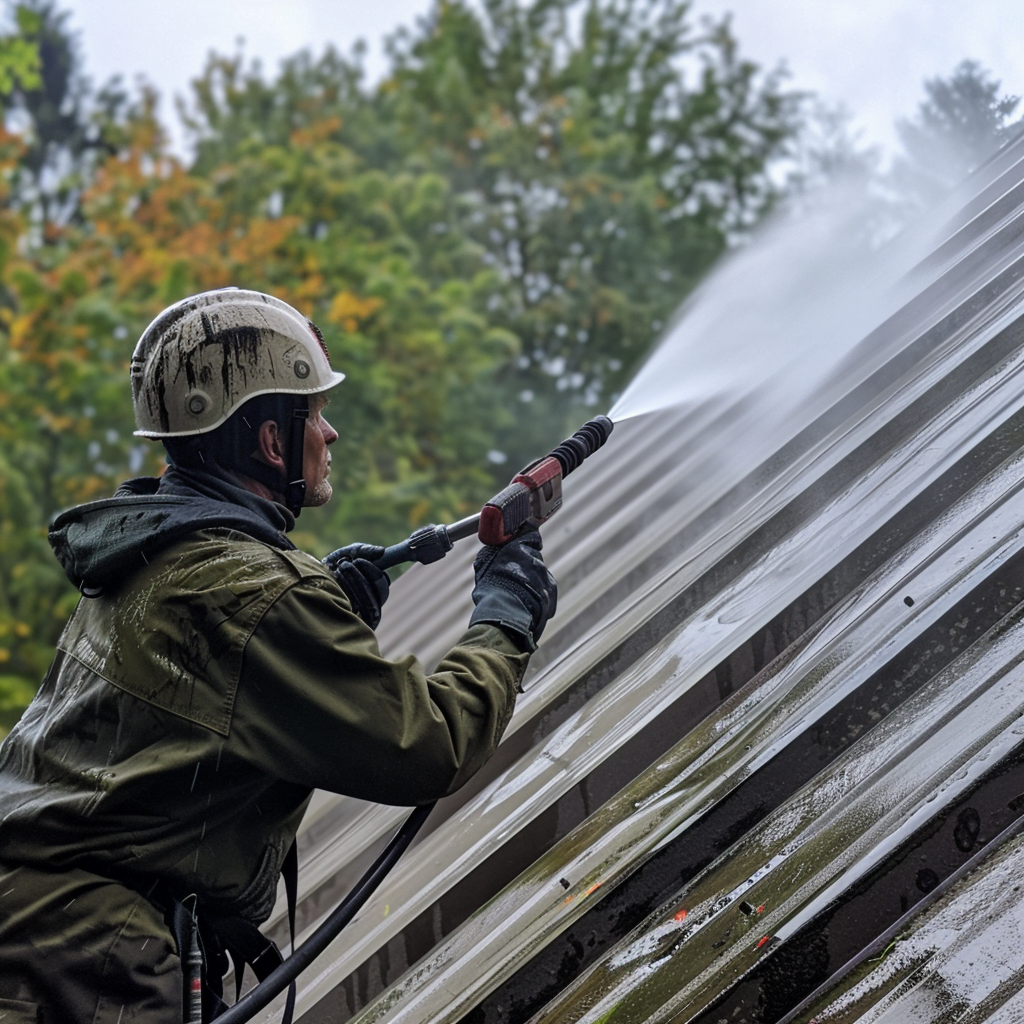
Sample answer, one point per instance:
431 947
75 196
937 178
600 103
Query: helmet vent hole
301 369
196 405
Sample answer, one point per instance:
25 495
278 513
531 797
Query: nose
329 433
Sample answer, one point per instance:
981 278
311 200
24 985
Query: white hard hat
203 357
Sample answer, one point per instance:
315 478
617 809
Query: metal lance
532 498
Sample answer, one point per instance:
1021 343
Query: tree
19 535
959 124
50 112
597 158
605 155
489 239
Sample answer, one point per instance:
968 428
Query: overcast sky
871 55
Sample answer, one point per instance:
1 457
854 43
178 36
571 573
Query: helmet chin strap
237 450
290 415
295 488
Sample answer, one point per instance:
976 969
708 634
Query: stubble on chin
320 495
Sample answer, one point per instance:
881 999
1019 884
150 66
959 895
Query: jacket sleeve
318 705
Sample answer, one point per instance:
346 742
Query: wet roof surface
769 764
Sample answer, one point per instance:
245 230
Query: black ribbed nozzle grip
573 450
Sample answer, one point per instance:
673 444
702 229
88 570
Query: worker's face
316 458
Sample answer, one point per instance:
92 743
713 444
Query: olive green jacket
190 712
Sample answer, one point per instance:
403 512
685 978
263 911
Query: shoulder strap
290 874
246 944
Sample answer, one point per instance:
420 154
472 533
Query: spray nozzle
591 436
534 495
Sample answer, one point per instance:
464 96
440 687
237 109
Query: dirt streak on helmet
201 358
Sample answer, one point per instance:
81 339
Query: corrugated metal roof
953 963
777 718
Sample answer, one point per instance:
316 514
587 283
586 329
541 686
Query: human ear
269 447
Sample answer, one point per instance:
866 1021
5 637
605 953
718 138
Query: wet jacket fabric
219 676
76 947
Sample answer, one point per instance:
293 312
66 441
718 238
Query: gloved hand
364 584
514 589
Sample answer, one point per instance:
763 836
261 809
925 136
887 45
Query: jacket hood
103 543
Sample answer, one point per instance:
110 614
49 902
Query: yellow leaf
348 309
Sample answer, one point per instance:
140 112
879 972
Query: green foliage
603 168
57 139
490 239
596 158
19 64
19 54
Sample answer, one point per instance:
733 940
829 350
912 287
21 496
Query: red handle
534 495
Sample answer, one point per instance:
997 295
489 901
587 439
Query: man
213 675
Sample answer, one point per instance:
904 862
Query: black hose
281 977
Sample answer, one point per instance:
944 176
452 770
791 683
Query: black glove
514 589
364 584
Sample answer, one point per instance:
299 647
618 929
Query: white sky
871 55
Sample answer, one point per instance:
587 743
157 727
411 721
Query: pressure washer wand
532 498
